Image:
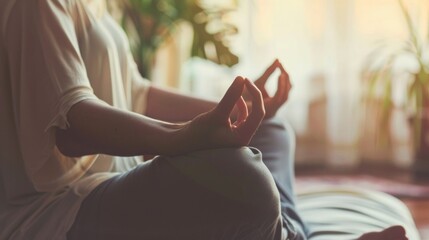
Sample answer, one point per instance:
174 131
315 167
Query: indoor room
214 119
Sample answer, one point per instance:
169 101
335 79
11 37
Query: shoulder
29 9
36 15
41 8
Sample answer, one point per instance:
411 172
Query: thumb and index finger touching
247 123
261 81
230 99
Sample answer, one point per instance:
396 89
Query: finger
257 100
263 79
287 89
263 90
227 103
282 69
243 112
281 89
248 128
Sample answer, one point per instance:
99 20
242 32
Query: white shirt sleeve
48 77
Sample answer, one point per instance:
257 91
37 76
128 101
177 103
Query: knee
277 137
251 181
237 174
281 127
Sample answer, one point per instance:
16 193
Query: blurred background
358 67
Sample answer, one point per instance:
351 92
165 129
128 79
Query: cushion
346 213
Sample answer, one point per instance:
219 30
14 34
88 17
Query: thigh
217 194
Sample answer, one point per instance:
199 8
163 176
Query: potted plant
149 23
417 90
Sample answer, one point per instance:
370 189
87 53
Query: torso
105 52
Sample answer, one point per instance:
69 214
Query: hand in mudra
273 103
215 128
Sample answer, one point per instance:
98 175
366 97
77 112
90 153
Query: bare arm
98 128
168 105
171 106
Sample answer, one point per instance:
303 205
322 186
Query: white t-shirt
53 54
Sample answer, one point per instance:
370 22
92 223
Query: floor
418 207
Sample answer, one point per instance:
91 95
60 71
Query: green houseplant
149 23
417 90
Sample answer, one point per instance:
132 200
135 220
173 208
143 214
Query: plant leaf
411 29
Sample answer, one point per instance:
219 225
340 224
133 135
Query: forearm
174 107
99 128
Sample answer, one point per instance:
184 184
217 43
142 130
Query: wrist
179 139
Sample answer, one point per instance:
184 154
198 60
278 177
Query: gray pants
221 194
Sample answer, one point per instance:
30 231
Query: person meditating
76 118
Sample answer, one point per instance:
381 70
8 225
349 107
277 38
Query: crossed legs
215 194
